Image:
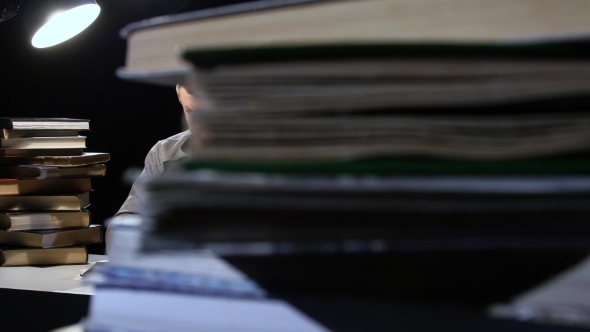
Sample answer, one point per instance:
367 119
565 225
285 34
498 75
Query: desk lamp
51 22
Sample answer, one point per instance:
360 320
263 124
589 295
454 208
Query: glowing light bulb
65 25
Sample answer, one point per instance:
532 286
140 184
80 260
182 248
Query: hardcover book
51 172
152 45
87 158
309 135
340 77
58 202
66 142
9 152
22 221
18 123
14 256
12 187
52 238
8 133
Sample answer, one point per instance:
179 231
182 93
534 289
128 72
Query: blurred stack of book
335 133
45 185
366 147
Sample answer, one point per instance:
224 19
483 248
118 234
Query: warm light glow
65 25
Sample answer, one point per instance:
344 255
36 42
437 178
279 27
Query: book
244 207
51 172
11 187
7 152
302 136
20 123
87 158
334 76
60 202
14 256
52 238
183 277
126 308
397 166
152 44
8 133
324 101
343 185
20 221
67 142
331 228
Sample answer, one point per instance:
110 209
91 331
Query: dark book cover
211 57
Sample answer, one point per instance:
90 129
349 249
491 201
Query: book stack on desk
45 185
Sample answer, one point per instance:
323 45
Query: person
171 148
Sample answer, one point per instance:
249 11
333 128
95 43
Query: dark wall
77 79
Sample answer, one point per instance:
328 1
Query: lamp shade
51 22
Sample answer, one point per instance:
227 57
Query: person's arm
153 165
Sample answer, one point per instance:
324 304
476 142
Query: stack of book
45 185
359 148
363 149
334 134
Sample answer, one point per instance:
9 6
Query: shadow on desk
473 278
25 310
411 291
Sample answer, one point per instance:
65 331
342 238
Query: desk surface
62 278
38 289
25 289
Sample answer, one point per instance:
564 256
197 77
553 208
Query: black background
76 79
